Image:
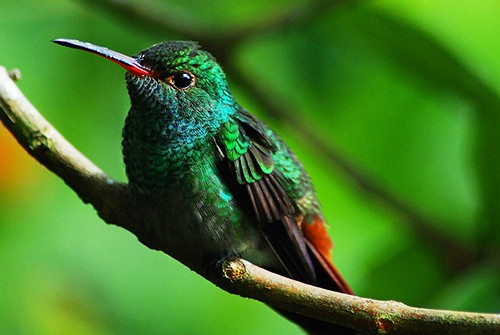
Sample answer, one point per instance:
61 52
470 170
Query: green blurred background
393 107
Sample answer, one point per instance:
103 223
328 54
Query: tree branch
110 198
364 315
42 141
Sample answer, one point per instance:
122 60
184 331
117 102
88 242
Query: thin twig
15 74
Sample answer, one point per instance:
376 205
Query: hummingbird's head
182 75
182 68
175 77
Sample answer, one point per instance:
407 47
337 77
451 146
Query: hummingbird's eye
182 80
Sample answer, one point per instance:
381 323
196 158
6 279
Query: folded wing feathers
250 154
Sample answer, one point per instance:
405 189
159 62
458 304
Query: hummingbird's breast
178 194
197 221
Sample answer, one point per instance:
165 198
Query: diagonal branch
42 141
147 14
364 315
165 18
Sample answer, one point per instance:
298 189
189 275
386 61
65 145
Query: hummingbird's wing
272 188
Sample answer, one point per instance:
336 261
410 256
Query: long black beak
129 63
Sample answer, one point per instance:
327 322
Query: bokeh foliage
407 92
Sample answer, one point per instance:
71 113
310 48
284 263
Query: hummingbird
208 180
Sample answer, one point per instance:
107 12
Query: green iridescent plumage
209 180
